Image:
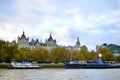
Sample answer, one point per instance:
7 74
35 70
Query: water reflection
59 74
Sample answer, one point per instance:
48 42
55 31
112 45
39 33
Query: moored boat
93 64
75 64
24 65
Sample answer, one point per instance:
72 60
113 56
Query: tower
23 41
50 42
77 46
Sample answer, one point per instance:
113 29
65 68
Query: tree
3 55
107 54
59 54
3 51
23 54
72 54
93 55
82 55
12 50
117 58
7 51
40 55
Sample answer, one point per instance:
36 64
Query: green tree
40 55
3 55
93 55
117 58
3 51
23 54
107 54
83 54
12 50
59 54
72 54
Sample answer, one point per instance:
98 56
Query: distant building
33 44
113 47
23 41
84 47
77 46
50 43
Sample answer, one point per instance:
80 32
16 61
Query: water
59 74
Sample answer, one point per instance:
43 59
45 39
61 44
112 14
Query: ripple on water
59 74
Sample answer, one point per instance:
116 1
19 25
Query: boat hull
89 66
26 65
74 66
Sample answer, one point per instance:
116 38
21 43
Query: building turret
77 46
50 38
78 42
23 41
50 42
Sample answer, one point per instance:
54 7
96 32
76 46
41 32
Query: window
115 51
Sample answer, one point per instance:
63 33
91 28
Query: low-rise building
113 47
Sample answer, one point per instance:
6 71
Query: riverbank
4 65
52 65
61 65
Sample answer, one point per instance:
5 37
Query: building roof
50 38
23 36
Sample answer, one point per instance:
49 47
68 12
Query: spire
78 42
50 38
23 35
50 35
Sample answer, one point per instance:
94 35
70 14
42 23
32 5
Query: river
60 74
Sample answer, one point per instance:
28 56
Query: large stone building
23 41
49 43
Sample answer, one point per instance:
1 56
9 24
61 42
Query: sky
94 21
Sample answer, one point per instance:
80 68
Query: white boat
24 65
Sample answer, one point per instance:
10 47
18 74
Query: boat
94 64
24 65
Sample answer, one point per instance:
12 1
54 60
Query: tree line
10 53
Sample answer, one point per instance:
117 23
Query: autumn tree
117 58
3 51
82 55
93 55
107 54
59 55
40 54
23 54
72 54
12 50
3 55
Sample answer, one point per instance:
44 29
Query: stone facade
77 46
33 44
23 41
50 43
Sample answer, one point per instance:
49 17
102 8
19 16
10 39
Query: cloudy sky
94 21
